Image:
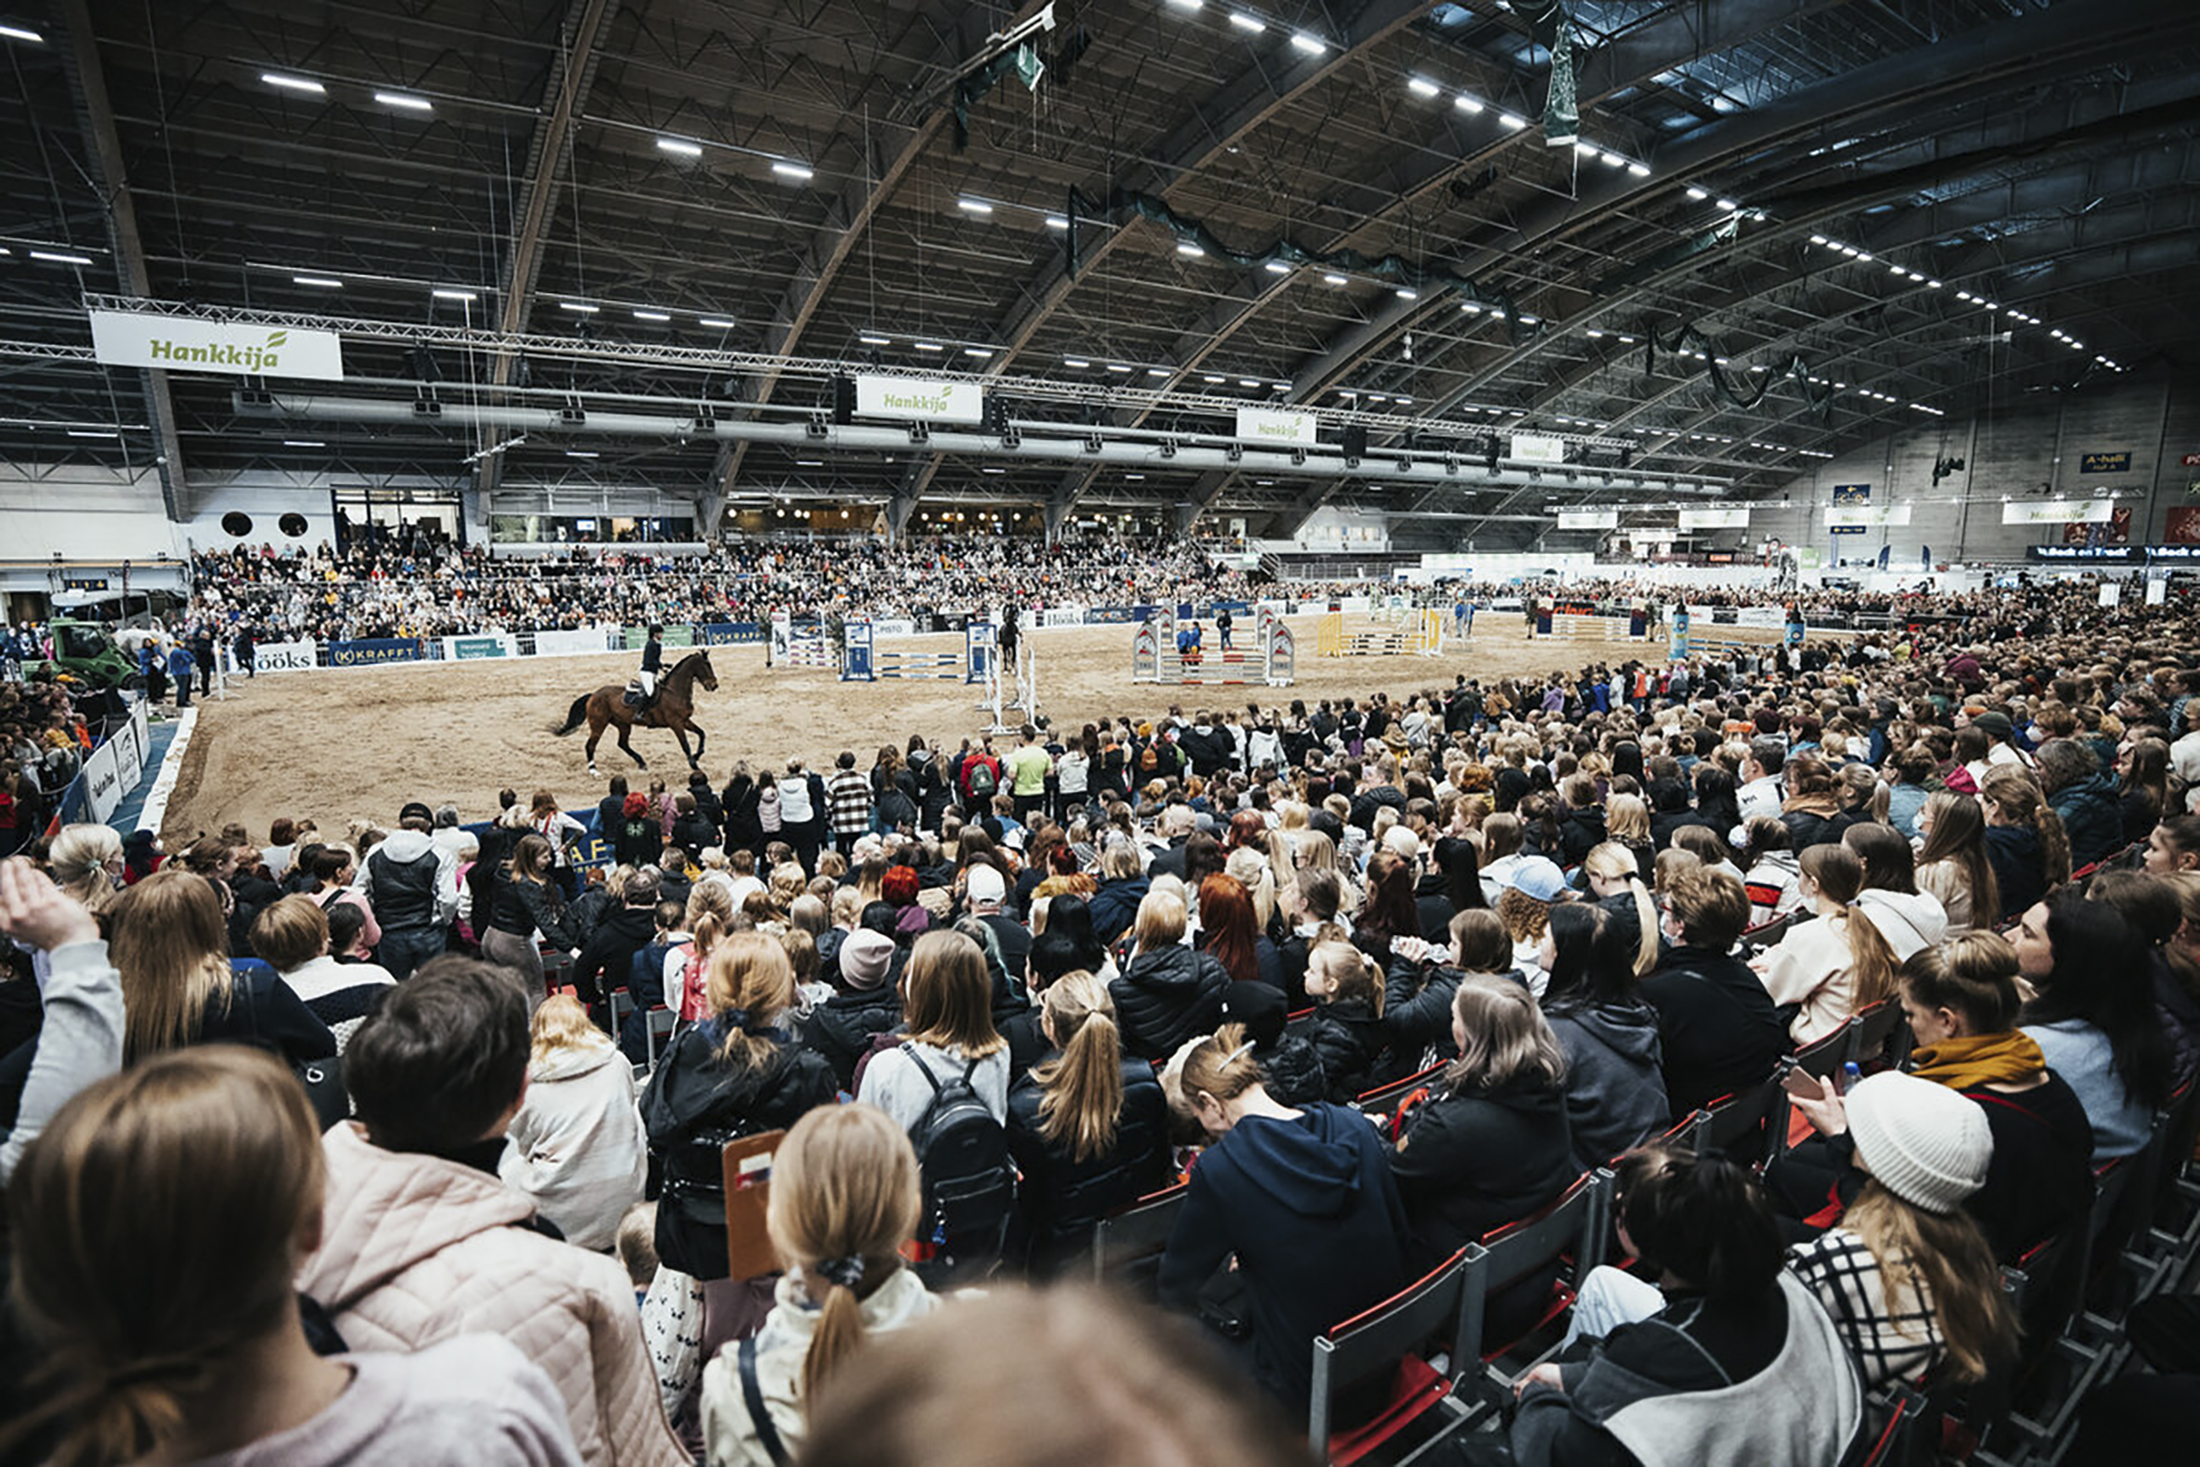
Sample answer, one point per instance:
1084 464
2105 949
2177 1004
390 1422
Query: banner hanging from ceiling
181 344
2059 512
913 400
1268 425
1715 519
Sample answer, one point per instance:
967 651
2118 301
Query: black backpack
969 1181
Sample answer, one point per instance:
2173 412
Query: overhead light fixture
799 172
1613 160
58 258
1250 24
1248 382
94 433
294 83
1187 5
1593 331
319 282
1585 149
1311 45
1697 194
652 315
1118 367
981 353
1639 170
1057 221
992 470
717 323
579 308
1407 295
1211 380
928 346
1189 250
18 33
1076 362
303 443
974 206
1276 267
582 453
1509 120
876 340
1334 279
405 103
680 146
1157 371
1729 205
1470 308
1864 256
450 293
1134 476
809 463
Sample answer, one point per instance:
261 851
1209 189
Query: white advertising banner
911 399
1269 425
2059 512
571 644
284 656
1869 514
1527 448
1761 617
1715 519
894 627
180 344
1588 519
1062 616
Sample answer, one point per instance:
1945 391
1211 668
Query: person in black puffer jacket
1492 1144
1088 1126
1290 1070
1716 1024
840 1029
1167 993
735 1074
1347 1026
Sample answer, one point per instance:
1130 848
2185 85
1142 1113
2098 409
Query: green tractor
85 651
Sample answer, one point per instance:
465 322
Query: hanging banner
1268 425
1715 519
2183 526
2059 512
180 344
2115 530
912 400
1852 494
1527 448
1588 519
2105 463
1867 515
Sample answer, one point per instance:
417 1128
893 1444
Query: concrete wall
2010 453
82 513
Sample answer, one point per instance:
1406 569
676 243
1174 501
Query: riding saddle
634 698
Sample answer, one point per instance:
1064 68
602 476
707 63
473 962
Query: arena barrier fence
1423 637
1158 656
861 660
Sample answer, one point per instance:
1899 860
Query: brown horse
674 709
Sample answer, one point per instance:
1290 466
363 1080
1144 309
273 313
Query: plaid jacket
849 795
1890 1338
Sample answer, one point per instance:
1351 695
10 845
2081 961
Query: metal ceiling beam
1987 59
851 214
565 91
1215 126
96 118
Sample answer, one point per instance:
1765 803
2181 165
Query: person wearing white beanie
1907 1276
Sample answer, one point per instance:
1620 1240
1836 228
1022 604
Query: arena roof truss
704 210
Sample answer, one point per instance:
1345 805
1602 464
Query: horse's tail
574 716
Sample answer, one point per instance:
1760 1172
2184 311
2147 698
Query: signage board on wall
1269 425
1852 494
181 344
284 656
2105 463
915 400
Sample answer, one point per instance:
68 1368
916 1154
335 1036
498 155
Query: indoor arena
1123 732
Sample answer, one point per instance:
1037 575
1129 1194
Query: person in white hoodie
577 1145
1848 959
844 1198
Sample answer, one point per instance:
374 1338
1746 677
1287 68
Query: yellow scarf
1979 1059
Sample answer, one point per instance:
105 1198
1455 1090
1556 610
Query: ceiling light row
1253 23
306 86
1473 106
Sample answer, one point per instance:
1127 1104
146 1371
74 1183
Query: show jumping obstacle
803 646
1421 637
1155 658
1553 621
861 661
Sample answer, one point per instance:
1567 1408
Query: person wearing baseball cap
411 884
1907 1277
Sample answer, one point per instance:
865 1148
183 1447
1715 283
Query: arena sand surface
360 742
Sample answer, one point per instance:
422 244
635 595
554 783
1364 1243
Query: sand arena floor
358 743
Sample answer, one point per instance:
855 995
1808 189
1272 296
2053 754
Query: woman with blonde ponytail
2025 839
1847 960
157 1225
844 1198
1087 1125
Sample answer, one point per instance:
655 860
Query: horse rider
653 659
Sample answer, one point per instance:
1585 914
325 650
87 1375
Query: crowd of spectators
993 991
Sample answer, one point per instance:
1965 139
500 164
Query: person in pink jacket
422 1241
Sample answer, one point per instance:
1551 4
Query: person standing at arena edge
1028 768
412 884
653 657
179 670
1222 626
202 652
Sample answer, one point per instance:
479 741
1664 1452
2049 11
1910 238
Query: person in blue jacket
1302 1197
180 663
